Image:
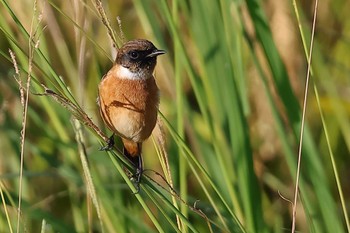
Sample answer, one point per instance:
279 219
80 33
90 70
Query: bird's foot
137 180
138 175
110 144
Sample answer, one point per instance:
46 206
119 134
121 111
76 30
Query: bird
128 99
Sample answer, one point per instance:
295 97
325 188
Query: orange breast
129 107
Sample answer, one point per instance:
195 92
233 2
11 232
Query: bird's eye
134 54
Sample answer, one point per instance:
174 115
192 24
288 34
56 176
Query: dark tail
132 151
133 158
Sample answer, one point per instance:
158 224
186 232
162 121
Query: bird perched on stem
129 99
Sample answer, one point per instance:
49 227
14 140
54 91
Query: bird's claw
110 144
137 178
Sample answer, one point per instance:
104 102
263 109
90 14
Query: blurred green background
232 84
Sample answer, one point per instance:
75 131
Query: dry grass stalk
33 43
111 33
296 191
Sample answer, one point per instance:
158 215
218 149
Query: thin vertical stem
303 117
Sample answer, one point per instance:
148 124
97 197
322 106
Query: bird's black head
138 56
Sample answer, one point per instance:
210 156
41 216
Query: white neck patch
125 73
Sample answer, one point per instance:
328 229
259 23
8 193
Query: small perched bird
129 98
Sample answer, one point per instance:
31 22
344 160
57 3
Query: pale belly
133 125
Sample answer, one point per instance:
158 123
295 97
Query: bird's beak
156 52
